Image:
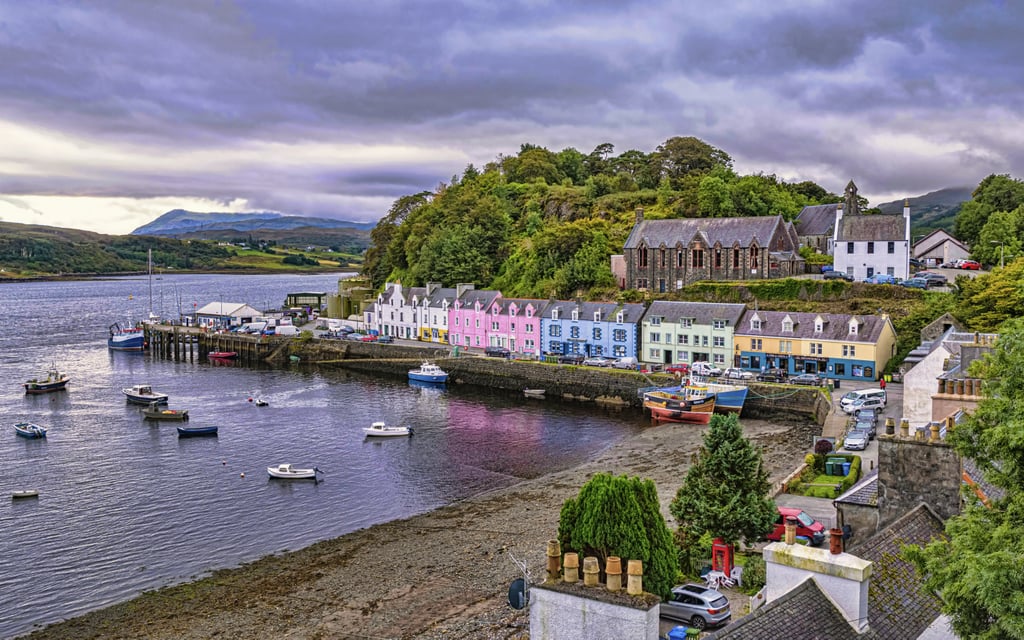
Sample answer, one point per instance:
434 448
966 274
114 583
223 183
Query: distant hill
935 210
178 223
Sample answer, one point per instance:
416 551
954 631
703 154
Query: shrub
823 447
754 574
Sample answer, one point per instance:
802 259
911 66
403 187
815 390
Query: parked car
852 396
916 264
934 279
772 375
870 426
628 362
867 415
864 403
369 338
682 368
915 283
825 268
838 275
733 373
355 336
385 339
806 526
571 358
496 352
705 369
974 265
811 379
881 278
699 606
856 440
597 361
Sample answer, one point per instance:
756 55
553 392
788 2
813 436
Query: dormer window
819 325
529 312
655 321
618 317
853 327
787 325
755 323
597 316
554 314
575 314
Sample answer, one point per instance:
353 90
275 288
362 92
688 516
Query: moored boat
428 372
289 472
197 432
534 393
54 381
382 430
698 412
29 430
155 411
143 394
24 493
129 338
223 355
729 398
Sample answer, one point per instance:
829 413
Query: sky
113 112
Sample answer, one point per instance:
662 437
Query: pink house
514 323
469 320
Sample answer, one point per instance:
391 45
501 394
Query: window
456 321
697 258
655 321
554 314
840 369
682 356
655 337
654 354
718 324
575 314
679 259
597 316
736 258
511 326
641 257
818 325
478 341
755 344
753 257
719 358
529 328
871 247
529 313
890 247
703 341
574 332
683 338
718 258
686 323
618 318
890 271
555 331
528 345
662 258
815 348
476 321
619 351
494 326
785 346
597 333
619 335
555 347
598 350
719 341
755 324
849 248
849 351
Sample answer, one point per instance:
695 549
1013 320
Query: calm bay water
126 506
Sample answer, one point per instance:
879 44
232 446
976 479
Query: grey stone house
666 255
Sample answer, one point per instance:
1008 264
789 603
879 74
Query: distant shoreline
4 278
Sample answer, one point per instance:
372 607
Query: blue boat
126 338
29 430
197 432
729 398
428 372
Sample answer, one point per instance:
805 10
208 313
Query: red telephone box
721 556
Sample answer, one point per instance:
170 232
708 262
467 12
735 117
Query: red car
970 264
682 368
369 338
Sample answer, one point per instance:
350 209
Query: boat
288 472
129 338
54 381
29 430
729 398
534 393
428 372
155 412
24 493
197 432
382 430
675 397
223 355
698 412
259 401
143 394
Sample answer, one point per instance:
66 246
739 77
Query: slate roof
727 232
836 327
879 228
504 304
485 297
864 492
816 220
803 613
631 311
898 606
699 312
440 294
984 489
934 240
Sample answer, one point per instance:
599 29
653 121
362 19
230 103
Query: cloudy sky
113 112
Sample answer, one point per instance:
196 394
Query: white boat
29 430
428 372
534 393
24 493
382 430
143 394
288 472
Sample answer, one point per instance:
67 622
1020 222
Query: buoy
250 399
223 461
242 474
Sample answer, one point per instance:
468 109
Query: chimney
554 559
635 577
571 567
639 215
463 288
613 569
843 577
835 541
591 571
790 530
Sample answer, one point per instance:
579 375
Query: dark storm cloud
904 96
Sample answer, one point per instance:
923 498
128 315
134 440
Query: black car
812 379
496 352
571 358
385 339
772 375
837 275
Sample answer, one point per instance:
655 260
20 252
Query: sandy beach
442 574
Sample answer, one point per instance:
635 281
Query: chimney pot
790 530
890 426
613 569
835 541
571 567
591 571
934 437
904 428
554 559
635 579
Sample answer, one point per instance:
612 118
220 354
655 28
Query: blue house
606 329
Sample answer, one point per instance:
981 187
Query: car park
571 358
496 352
772 375
856 440
915 283
838 275
732 373
699 606
811 379
806 526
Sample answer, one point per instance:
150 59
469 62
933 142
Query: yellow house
833 345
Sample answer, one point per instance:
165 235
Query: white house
395 313
864 245
225 314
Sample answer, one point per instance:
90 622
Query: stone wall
862 518
912 471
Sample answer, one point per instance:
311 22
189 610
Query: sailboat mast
151 284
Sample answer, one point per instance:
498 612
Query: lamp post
1000 243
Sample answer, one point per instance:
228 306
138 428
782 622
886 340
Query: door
871 271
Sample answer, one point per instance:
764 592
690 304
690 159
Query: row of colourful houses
663 333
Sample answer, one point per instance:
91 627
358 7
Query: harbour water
125 506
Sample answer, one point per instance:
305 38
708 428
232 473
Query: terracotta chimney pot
591 571
571 567
554 559
613 569
790 530
635 579
934 428
835 541
904 428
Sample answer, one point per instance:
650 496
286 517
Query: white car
864 403
856 440
704 369
733 373
597 361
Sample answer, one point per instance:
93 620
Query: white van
286 330
846 402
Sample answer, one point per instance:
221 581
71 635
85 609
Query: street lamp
1000 243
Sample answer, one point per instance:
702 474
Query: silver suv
697 605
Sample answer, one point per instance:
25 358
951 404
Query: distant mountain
935 210
178 223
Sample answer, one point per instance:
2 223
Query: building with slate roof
673 332
857 508
395 312
605 329
864 245
666 255
515 325
939 247
815 225
833 345
433 310
468 318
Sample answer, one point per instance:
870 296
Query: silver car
856 440
697 605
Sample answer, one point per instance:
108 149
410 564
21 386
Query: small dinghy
25 493
197 432
29 430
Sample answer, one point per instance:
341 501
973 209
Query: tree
989 300
994 193
977 569
725 493
620 516
681 156
1000 237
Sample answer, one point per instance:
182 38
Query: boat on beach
155 411
698 411
382 430
289 472
29 430
54 381
197 432
428 372
143 394
729 398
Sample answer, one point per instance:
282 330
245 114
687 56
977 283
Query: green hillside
935 210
